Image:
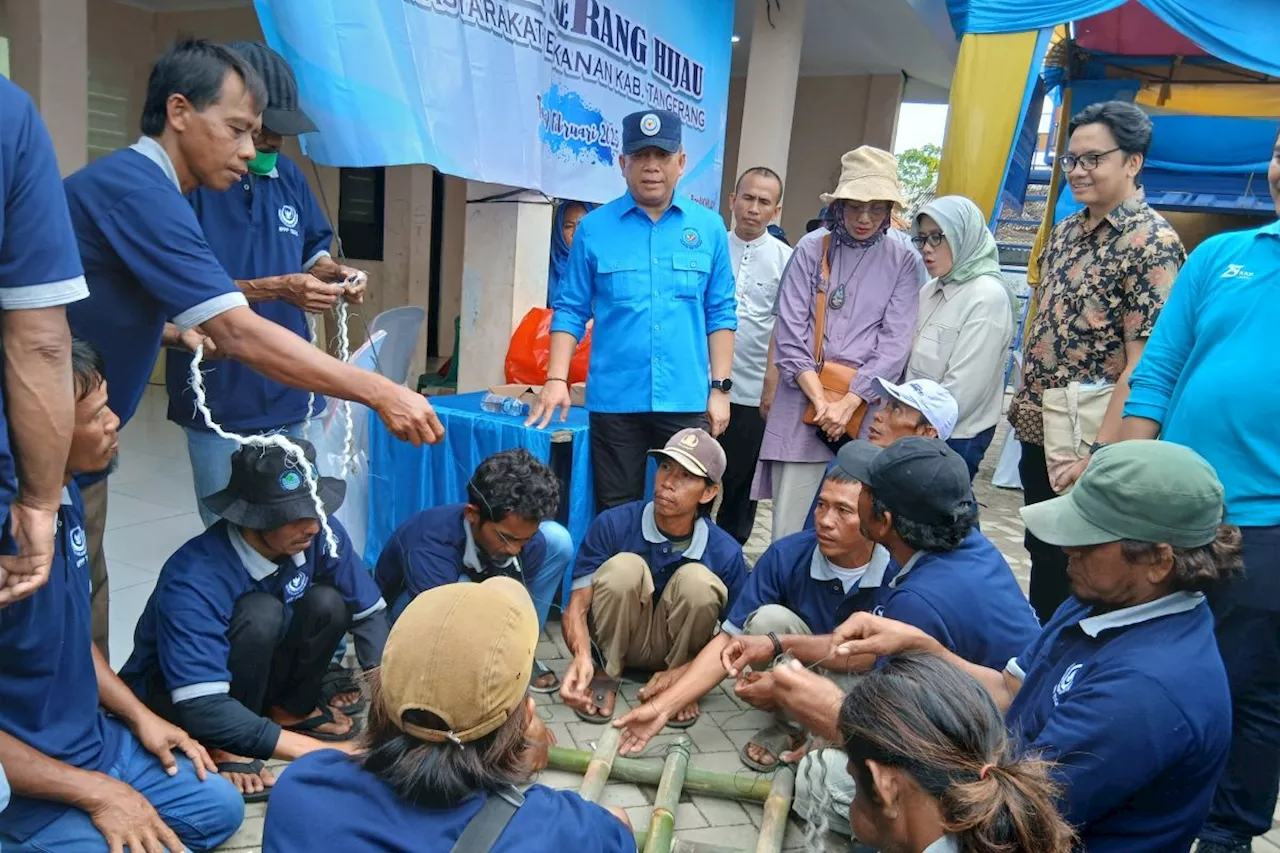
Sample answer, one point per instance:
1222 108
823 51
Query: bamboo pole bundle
596 775
682 846
749 788
662 825
776 809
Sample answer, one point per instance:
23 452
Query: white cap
929 399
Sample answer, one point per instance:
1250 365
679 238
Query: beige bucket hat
867 174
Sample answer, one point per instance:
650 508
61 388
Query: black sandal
310 724
248 768
340 680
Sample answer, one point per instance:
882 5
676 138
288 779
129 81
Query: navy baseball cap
919 478
651 129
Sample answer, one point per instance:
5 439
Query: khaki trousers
95 523
794 485
631 629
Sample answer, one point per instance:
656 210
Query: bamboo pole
597 772
682 846
747 787
776 810
662 826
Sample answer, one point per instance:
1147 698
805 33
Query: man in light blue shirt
1208 380
652 268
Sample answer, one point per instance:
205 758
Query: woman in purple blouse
872 299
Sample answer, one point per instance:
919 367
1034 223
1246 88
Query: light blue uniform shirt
1209 373
656 291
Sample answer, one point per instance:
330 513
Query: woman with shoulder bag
847 306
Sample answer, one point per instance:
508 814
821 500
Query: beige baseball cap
463 652
697 452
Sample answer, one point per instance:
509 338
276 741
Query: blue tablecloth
404 479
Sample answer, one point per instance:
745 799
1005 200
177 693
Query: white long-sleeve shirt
962 342
757 269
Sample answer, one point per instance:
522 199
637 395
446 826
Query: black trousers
619 450
1247 625
274 663
1049 583
741 442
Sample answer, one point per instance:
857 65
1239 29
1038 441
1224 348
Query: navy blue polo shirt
263 226
146 260
182 633
39 264
48 687
793 573
966 599
1134 707
326 801
435 547
631 528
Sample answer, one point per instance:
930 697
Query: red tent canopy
1133 30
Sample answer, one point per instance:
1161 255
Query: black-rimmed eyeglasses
1088 162
933 238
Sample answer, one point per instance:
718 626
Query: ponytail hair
928 719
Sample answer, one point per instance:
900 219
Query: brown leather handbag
835 377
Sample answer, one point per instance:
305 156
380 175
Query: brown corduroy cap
464 652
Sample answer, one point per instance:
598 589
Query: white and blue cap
928 398
651 129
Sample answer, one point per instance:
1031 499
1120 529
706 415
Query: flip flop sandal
310 724
775 740
540 670
340 680
683 724
249 768
599 685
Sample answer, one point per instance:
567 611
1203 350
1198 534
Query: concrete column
504 275
49 57
452 260
884 99
773 67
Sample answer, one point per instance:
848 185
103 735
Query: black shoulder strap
483 830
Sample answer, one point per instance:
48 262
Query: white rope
344 353
311 397
297 457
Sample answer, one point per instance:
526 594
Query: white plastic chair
402 327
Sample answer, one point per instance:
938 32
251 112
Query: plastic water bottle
497 403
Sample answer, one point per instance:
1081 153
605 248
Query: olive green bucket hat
1146 491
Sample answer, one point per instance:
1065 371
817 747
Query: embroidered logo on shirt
878 611
77 541
1068 679
294 588
288 216
1236 271
691 238
650 124
290 481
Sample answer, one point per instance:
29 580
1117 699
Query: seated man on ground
444 752
504 528
655 578
921 407
82 781
806 583
236 637
1124 689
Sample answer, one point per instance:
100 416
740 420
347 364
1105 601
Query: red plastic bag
530 350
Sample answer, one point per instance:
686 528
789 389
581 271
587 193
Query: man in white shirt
758 261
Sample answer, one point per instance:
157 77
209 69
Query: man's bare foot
246 783
766 755
340 725
604 695
344 700
687 713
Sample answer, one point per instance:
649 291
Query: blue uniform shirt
793 573
263 226
181 638
631 528
1208 374
1134 707
146 260
326 801
48 687
966 599
39 264
435 547
656 291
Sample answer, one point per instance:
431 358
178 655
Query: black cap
268 489
651 129
919 478
282 115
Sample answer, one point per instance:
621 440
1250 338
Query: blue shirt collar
258 566
1178 602
66 496
820 568
676 204
1272 230
470 556
697 546
908 566
154 151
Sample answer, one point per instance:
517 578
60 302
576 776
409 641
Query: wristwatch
1098 445
725 385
